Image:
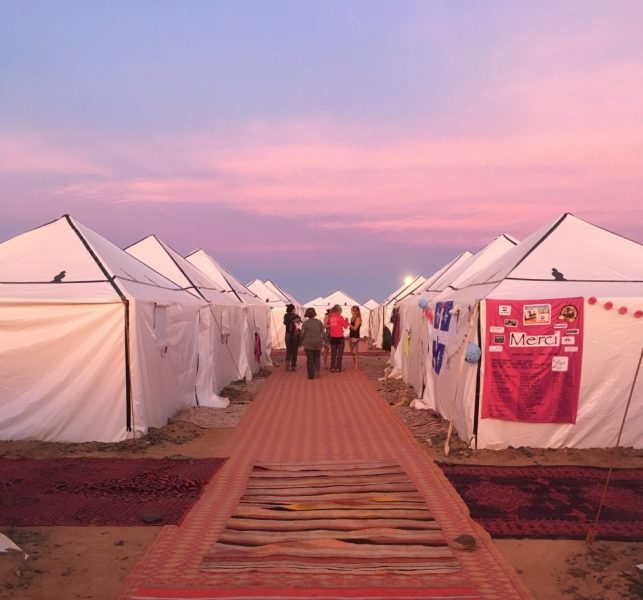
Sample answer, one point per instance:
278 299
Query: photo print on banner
533 356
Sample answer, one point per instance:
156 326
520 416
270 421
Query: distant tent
288 298
383 313
227 354
409 358
258 312
276 300
601 272
94 345
321 305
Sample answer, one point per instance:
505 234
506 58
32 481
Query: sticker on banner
560 326
568 340
536 314
568 313
571 348
559 363
573 331
504 310
511 323
495 348
498 339
496 329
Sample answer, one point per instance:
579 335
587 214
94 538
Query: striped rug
360 518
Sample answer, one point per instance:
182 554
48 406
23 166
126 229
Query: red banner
533 354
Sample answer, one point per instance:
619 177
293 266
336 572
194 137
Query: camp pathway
338 430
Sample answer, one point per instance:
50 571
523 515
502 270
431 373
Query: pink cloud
555 127
30 153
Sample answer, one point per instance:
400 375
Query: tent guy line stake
593 532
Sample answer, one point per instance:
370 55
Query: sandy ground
92 562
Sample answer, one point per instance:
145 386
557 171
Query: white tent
258 312
288 298
276 300
382 315
94 345
321 305
410 356
372 306
602 274
225 355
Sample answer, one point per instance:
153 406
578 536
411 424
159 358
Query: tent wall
612 346
164 352
62 371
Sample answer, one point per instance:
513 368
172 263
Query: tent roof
288 297
164 259
405 289
467 265
371 304
341 298
204 262
266 294
593 261
93 269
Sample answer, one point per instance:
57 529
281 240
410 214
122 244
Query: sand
92 562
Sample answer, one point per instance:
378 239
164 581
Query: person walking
292 322
326 348
312 339
336 324
353 333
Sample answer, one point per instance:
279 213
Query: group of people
316 336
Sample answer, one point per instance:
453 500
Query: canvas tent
410 356
258 312
276 300
94 345
372 306
227 353
288 298
321 305
571 262
384 311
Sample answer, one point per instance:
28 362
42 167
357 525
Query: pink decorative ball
609 305
592 300
638 314
623 310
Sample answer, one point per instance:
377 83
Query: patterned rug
361 518
551 502
100 491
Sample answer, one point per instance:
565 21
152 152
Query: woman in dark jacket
312 339
292 322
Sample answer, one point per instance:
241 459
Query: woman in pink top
336 324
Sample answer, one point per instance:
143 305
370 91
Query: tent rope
593 532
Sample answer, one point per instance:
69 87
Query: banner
533 354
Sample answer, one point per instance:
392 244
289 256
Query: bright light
408 280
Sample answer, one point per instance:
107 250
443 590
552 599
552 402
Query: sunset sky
324 144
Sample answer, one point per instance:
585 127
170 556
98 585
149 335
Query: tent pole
591 534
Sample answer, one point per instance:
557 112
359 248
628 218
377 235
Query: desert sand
92 562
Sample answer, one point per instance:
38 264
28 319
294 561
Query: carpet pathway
357 471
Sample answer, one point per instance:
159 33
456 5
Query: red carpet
247 536
551 502
320 593
99 491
